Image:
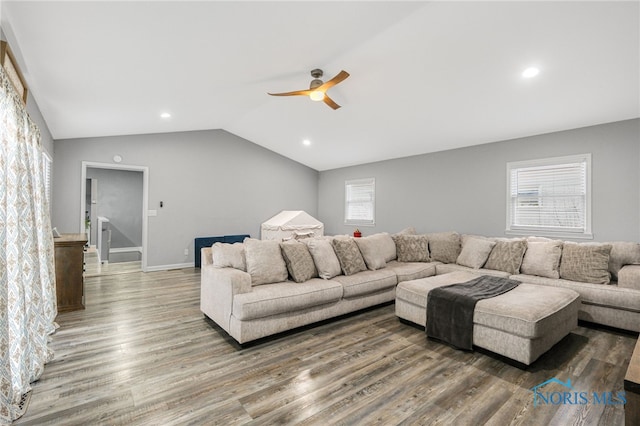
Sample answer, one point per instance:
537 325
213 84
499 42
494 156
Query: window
46 175
550 197
359 205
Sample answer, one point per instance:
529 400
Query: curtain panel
27 272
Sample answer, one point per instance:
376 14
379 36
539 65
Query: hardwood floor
93 267
142 353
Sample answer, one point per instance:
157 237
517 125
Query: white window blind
360 202
550 196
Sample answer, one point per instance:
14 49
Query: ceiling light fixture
306 142
316 95
165 115
530 72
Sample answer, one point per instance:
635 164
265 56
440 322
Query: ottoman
521 324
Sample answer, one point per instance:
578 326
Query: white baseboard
125 249
168 267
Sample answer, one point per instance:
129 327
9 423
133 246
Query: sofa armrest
206 257
218 286
629 277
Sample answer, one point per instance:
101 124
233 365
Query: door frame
145 197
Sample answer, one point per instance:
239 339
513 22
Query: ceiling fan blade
335 80
294 93
330 102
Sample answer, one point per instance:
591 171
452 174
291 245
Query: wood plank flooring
142 353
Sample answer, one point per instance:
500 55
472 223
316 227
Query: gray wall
465 189
120 200
211 182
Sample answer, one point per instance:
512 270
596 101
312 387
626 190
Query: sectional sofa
259 288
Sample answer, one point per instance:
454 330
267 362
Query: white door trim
145 197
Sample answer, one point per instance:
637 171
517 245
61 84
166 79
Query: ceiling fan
317 89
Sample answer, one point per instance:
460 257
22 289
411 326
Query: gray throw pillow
324 257
349 256
228 256
299 261
507 256
475 252
412 248
542 258
264 261
377 250
587 262
444 246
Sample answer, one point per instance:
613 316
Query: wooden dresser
69 255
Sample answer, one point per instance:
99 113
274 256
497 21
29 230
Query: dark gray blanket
450 308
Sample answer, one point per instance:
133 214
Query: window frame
360 182
513 229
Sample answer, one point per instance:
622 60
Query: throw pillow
507 255
587 262
324 257
377 250
444 246
228 256
623 253
475 252
542 258
412 248
264 261
410 230
299 261
349 256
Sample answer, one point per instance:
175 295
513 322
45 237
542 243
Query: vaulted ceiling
425 76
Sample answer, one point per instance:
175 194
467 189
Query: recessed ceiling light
306 142
165 115
530 72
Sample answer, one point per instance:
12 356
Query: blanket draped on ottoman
450 308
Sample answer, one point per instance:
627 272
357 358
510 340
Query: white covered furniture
291 224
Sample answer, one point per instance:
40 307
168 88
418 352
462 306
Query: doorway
113 212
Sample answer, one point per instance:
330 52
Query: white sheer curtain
27 273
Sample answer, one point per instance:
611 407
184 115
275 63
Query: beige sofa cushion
507 255
284 298
299 261
229 256
349 255
412 270
366 282
444 246
377 250
324 257
608 296
542 258
629 277
586 262
445 268
264 261
475 252
623 253
412 248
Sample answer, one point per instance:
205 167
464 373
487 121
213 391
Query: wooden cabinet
69 255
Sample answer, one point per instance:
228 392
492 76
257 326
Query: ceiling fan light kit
317 89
